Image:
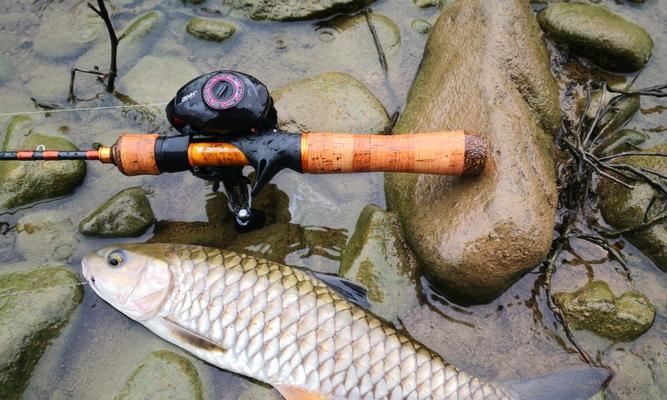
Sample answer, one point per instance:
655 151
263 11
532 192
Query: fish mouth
87 273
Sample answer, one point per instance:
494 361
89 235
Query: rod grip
443 153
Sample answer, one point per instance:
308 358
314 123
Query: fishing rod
227 120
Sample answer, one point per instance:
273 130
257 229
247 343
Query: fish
287 327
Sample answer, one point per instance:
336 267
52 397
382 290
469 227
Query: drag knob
223 91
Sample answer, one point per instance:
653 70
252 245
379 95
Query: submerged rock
475 237
594 308
255 391
69 34
621 109
378 258
48 83
34 306
156 79
127 214
421 25
290 10
272 242
163 375
26 182
333 97
620 141
7 69
607 39
210 29
46 236
625 208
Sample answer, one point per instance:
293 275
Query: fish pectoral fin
193 338
297 393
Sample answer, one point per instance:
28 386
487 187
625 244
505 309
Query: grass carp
286 327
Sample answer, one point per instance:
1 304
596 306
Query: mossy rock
127 214
594 308
625 208
293 10
210 29
34 306
26 182
163 375
378 257
607 39
620 111
620 141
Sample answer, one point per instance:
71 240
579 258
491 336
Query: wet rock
7 69
141 26
378 258
127 214
272 242
608 39
620 110
620 141
69 34
156 79
256 391
211 29
29 320
625 208
46 236
26 182
427 3
49 84
163 375
639 372
475 237
334 99
198 233
421 25
594 308
291 10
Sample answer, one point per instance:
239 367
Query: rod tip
475 154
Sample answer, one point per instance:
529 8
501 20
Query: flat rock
26 182
45 237
625 208
7 69
595 308
34 306
163 375
68 33
485 68
607 39
291 10
210 29
377 257
156 79
127 214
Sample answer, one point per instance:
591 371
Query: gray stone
156 79
163 375
291 10
476 237
607 39
34 306
26 182
49 83
127 214
69 34
421 25
211 29
427 3
378 258
594 308
7 69
332 102
626 208
46 236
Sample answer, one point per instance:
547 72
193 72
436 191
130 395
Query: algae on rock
485 68
595 308
291 10
211 29
163 375
34 306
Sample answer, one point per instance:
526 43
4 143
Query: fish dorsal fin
193 338
346 288
297 393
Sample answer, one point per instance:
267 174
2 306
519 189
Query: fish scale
283 326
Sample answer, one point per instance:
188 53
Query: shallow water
513 337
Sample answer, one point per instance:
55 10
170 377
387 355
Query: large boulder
608 39
629 209
378 258
34 306
290 10
485 68
163 375
127 214
26 182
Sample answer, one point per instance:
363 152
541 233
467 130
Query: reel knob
223 91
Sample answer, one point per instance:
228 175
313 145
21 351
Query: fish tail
579 384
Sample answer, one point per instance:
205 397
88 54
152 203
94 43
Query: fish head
135 279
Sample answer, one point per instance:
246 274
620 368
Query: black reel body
233 107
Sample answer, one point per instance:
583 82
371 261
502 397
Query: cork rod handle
443 153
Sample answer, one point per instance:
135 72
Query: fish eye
115 258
